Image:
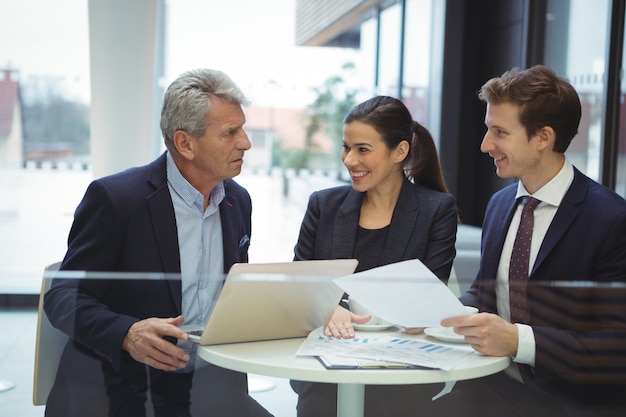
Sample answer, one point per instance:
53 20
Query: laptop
279 300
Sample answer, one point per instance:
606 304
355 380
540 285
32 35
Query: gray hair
188 100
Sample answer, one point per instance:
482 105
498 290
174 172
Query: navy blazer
126 223
423 226
580 329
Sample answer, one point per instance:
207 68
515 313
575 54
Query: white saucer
372 327
445 334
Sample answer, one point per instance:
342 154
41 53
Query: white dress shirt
550 196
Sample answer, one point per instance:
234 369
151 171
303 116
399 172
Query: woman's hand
413 330
340 323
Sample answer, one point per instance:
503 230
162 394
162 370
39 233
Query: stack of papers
381 352
405 293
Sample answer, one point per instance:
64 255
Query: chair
468 237
464 269
453 283
48 346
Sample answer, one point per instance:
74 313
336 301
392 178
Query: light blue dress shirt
200 245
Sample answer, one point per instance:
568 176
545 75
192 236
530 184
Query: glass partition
575 318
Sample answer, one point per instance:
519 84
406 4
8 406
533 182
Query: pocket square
245 241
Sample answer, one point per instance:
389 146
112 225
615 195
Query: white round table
277 358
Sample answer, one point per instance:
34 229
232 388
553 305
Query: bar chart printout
383 352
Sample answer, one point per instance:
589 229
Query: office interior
434 54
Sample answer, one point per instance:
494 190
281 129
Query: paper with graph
381 352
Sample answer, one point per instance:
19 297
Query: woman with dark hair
397 208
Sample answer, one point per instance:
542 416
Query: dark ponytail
422 163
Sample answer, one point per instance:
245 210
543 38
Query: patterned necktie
520 259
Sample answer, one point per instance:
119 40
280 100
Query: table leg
259 384
350 400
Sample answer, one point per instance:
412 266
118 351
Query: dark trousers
320 400
499 395
209 391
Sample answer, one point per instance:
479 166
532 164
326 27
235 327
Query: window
422 57
620 183
389 51
579 55
44 134
423 61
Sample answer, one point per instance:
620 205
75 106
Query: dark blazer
423 226
126 223
580 329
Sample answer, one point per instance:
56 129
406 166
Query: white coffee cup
449 331
471 310
358 309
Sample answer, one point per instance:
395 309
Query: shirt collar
186 191
553 192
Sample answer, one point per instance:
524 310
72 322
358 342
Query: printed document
405 293
390 352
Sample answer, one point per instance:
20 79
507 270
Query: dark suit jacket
126 223
423 226
580 329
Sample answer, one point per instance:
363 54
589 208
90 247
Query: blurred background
81 83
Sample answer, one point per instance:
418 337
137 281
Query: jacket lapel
231 234
568 210
493 247
164 224
495 229
346 224
405 216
